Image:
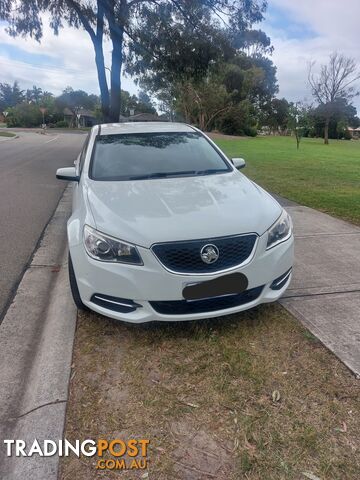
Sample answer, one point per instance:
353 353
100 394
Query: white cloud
71 61
335 27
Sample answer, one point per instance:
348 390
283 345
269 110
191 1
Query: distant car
165 227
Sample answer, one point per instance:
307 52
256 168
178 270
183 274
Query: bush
347 135
238 120
61 124
250 131
24 115
231 126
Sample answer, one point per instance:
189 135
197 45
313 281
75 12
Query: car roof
143 127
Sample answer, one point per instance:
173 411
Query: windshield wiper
210 170
148 175
174 174
161 175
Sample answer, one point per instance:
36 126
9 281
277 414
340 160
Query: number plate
226 285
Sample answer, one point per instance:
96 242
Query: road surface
29 193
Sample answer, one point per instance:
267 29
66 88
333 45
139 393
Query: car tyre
74 288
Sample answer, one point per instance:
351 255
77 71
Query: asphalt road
29 193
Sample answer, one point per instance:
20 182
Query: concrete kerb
36 342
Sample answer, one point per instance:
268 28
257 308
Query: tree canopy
169 38
25 110
334 81
10 95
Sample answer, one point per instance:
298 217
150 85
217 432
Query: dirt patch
200 455
249 396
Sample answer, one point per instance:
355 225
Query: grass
325 177
251 396
7 134
248 396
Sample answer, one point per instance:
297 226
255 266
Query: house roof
83 112
140 117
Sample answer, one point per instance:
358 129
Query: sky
301 32
306 31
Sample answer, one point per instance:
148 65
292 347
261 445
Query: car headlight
108 249
280 231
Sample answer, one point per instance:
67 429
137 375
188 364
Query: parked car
165 227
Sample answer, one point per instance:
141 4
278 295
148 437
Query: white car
165 227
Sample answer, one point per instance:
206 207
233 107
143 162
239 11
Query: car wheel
74 288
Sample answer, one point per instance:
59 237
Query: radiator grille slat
184 256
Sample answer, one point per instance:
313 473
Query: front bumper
151 282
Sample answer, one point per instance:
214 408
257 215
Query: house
141 117
84 118
354 132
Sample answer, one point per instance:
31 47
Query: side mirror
67 173
238 163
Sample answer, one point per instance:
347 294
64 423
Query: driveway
29 193
325 291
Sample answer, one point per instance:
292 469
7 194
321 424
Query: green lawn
325 177
7 134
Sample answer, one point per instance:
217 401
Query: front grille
185 307
184 256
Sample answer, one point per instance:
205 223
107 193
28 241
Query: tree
24 115
128 24
163 52
202 73
24 18
132 102
343 115
10 95
261 77
334 81
275 115
239 119
75 101
34 95
144 98
203 102
145 104
167 102
298 120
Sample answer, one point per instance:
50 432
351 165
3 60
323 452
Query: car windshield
139 156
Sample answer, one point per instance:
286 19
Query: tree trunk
116 65
186 113
104 90
202 121
97 40
116 20
326 130
99 60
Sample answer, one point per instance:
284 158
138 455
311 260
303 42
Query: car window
83 153
139 156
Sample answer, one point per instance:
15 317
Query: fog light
279 282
